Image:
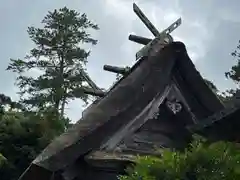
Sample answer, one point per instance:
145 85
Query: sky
210 30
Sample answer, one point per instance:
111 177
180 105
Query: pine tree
59 59
233 95
234 73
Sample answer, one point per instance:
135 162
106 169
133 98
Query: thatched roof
147 79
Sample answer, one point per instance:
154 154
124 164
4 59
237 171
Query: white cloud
161 17
122 13
117 19
229 15
117 8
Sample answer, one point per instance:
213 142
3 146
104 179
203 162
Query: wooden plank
145 20
109 161
103 155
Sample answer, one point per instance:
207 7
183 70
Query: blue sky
210 29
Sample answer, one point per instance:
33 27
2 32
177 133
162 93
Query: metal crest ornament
175 107
161 38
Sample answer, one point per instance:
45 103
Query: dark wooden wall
167 130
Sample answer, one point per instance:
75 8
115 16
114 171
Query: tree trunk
63 107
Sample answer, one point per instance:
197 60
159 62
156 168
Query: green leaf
59 59
201 161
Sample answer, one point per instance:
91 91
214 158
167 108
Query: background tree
201 161
234 73
6 102
58 57
23 135
60 61
231 96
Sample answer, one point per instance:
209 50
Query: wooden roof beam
139 39
115 69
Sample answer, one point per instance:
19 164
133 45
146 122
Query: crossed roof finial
163 36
